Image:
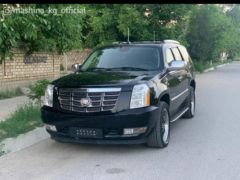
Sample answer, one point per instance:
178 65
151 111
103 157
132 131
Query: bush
2 152
37 90
201 66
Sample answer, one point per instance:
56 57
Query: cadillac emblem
85 102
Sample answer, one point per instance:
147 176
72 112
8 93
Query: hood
103 78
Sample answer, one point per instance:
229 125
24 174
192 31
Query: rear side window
176 53
184 53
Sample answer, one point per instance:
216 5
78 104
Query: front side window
135 57
169 56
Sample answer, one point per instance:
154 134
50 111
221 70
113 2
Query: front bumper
115 122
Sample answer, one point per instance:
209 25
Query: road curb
209 69
213 68
24 140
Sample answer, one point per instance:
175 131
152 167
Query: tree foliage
39 32
210 33
206 29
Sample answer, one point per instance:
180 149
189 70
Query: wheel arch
165 97
193 84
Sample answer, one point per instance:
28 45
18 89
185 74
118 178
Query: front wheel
159 137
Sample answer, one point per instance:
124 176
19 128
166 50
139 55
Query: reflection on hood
102 78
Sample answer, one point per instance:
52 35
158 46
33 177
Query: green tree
131 17
107 23
101 24
40 32
205 29
234 15
210 33
167 20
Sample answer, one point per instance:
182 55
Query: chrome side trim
179 115
177 96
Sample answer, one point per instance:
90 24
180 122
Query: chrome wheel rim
192 103
165 126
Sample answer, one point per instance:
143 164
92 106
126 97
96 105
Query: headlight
140 96
48 99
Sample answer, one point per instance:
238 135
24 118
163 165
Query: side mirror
76 67
176 65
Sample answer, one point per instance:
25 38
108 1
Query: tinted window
169 56
184 53
177 54
127 56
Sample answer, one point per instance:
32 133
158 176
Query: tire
191 104
157 138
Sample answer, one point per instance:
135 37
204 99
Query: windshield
124 58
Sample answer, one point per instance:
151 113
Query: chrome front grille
101 99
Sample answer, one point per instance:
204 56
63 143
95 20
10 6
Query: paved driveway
204 148
8 106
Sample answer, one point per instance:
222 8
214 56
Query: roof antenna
128 36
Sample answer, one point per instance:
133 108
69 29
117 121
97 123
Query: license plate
85 132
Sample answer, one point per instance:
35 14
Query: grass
10 94
201 66
24 119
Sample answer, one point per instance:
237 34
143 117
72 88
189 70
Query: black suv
125 93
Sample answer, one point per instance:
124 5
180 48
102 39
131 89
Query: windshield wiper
96 69
117 68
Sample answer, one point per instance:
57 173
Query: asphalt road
205 147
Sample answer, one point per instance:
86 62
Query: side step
176 118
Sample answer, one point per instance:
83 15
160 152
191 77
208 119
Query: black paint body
165 85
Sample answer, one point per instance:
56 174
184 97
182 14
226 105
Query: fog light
134 131
50 127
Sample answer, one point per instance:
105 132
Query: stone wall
1 70
22 69
74 56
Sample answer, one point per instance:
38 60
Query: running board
185 110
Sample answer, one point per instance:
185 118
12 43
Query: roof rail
150 42
119 42
171 41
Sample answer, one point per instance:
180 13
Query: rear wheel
191 104
159 137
